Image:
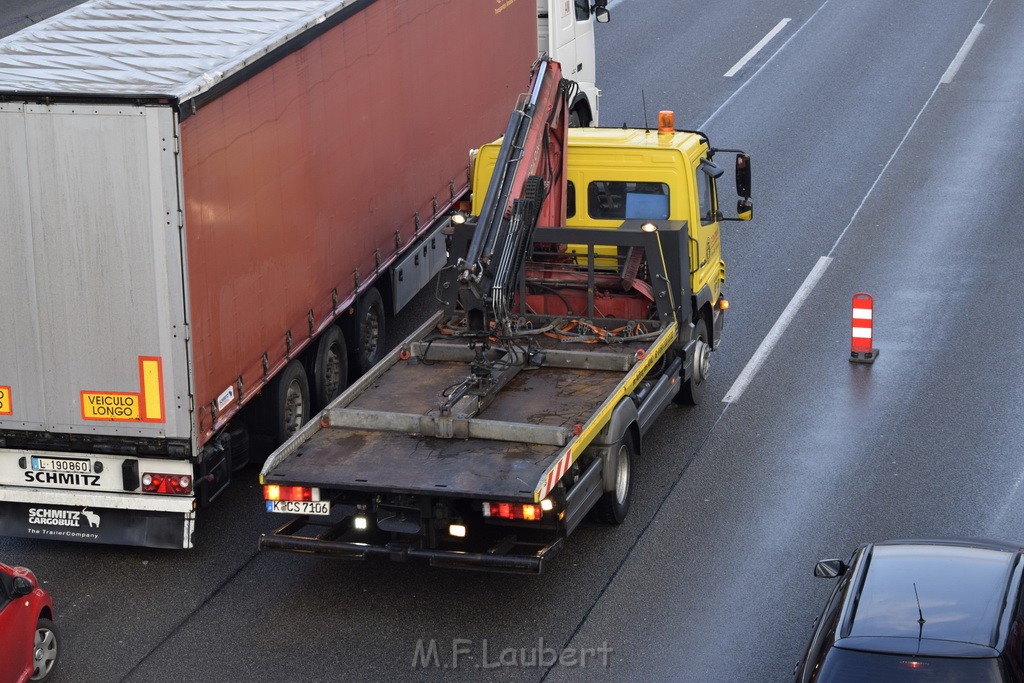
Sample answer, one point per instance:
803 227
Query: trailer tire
369 331
692 391
289 392
330 368
613 506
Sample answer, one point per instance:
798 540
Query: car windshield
851 665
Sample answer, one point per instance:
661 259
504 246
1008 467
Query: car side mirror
22 586
602 15
830 569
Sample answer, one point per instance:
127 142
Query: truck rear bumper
285 539
88 517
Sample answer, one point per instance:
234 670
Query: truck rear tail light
528 512
176 484
297 493
275 493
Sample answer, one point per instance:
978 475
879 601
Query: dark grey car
928 610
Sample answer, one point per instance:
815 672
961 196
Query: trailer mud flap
146 528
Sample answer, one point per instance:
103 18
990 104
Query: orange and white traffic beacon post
861 330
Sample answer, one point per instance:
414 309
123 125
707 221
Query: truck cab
616 174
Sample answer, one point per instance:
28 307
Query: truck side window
706 198
582 10
570 199
611 200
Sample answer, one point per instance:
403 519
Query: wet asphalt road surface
866 165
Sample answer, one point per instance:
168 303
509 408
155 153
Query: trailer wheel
613 506
330 369
369 331
692 391
290 392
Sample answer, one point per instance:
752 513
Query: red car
28 638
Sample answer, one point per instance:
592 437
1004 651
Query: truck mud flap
145 528
518 564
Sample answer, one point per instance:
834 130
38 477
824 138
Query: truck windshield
617 200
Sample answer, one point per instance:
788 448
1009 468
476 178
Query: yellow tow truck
583 295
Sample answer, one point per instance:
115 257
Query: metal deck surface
380 460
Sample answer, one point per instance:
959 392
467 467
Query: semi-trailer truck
209 212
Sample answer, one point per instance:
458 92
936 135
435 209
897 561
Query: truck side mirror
743 175
602 15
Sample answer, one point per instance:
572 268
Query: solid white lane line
769 342
757 48
954 66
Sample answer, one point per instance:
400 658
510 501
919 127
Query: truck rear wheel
369 331
613 506
692 391
330 370
290 394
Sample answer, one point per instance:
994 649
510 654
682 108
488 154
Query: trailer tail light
174 484
515 511
296 493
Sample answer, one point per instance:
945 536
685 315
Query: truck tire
289 393
692 391
330 369
369 331
613 506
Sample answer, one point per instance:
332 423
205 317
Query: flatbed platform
377 436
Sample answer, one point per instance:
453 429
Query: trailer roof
152 48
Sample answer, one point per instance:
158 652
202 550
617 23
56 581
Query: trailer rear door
93 335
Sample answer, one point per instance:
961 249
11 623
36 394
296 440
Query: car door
15 648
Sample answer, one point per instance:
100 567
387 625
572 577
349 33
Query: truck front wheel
613 506
692 391
290 393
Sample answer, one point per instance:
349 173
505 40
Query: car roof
961 591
